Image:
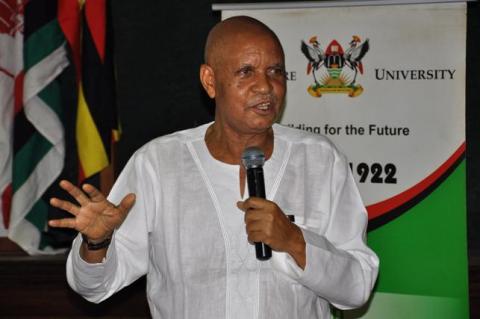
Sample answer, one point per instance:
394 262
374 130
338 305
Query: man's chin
261 127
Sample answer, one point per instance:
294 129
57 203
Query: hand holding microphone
266 223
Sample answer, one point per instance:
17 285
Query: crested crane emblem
335 70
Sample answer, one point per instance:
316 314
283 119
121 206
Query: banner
387 85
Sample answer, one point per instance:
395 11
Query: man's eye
245 71
277 72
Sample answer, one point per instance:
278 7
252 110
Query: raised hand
95 217
265 222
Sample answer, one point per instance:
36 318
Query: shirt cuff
86 276
314 245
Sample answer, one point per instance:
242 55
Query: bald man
179 212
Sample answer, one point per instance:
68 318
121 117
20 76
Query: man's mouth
264 106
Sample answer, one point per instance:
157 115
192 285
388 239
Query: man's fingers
259 222
253 203
256 237
63 223
241 206
94 194
65 205
251 213
127 203
76 193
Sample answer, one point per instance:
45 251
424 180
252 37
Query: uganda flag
63 111
96 122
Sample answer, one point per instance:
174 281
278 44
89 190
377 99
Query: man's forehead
251 52
249 46
247 37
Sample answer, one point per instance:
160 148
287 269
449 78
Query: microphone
253 160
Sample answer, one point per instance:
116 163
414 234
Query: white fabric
186 234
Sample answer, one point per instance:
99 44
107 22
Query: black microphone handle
256 188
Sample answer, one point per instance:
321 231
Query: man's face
250 83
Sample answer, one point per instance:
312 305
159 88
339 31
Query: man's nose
263 84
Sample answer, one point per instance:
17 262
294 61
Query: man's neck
227 145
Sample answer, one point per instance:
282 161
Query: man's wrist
97 244
298 248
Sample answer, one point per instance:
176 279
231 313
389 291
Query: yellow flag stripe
91 151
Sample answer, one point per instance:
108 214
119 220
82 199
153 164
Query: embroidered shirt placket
220 219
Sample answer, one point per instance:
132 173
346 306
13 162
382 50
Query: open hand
95 217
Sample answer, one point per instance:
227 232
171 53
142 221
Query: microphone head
253 157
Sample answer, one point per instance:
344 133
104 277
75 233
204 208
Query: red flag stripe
69 21
95 18
7 205
18 92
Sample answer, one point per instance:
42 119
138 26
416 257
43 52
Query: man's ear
207 77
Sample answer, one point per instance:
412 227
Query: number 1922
379 174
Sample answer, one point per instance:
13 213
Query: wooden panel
36 286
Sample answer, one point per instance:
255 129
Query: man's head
244 72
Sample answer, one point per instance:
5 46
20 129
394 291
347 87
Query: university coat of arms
335 70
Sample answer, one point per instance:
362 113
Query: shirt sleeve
339 266
127 254
89 280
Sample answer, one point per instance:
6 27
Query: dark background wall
158 49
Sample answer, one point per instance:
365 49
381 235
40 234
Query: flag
64 118
38 136
11 65
96 123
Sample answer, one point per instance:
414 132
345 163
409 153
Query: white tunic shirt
187 235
